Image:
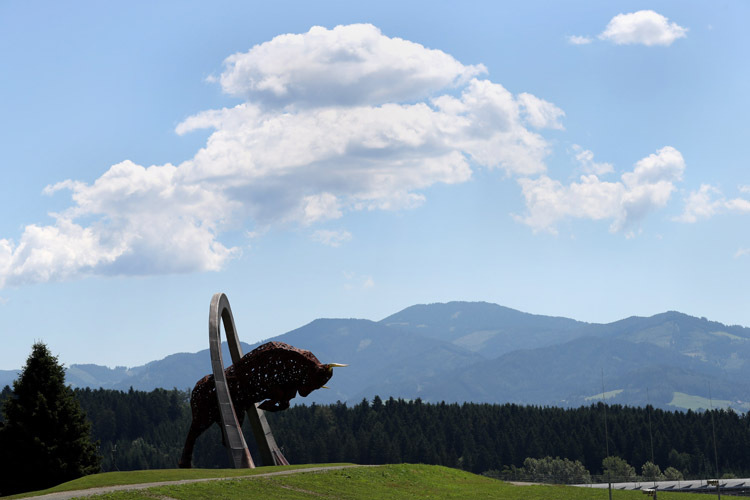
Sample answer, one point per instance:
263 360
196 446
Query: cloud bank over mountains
333 121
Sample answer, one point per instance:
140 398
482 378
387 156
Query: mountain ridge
483 352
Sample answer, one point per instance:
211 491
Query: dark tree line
146 430
139 430
481 437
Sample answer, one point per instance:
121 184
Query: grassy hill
394 482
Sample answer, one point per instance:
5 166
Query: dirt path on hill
65 495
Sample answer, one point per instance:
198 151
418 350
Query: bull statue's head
321 374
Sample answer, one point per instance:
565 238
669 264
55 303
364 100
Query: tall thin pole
606 436
606 433
716 453
650 434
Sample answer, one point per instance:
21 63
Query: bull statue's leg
202 402
186 460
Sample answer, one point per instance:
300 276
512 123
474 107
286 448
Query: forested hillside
140 430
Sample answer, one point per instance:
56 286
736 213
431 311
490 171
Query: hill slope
402 481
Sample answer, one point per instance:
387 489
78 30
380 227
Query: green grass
729 336
389 482
604 395
690 402
153 476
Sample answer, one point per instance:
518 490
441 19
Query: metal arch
230 427
233 437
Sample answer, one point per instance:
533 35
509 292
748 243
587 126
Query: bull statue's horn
335 365
324 387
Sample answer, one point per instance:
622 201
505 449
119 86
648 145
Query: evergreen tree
618 470
4 394
651 472
672 474
46 437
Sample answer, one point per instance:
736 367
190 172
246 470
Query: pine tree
4 394
46 437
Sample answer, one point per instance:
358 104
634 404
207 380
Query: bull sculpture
272 375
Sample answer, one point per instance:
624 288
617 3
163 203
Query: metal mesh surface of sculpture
271 375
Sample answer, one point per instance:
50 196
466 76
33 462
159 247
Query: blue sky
344 159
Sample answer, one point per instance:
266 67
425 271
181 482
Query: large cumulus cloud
331 121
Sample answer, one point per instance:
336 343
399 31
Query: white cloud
644 27
646 188
742 252
335 121
579 40
744 189
708 202
586 161
320 207
700 204
370 68
666 165
53 253
145 221
316 163
540 113
740 205
548 201
331 238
